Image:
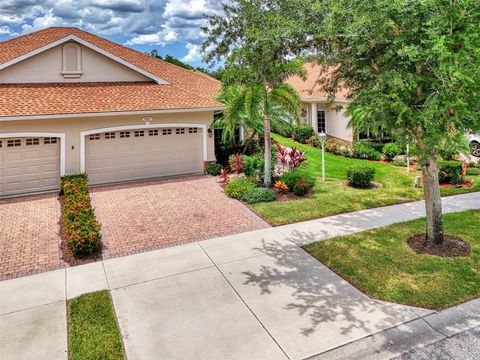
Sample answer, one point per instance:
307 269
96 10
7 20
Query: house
71 102
318 110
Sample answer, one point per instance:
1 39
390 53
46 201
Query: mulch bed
67 254
452 246
465 185
291 196
373 185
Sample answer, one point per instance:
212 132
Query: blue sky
170 26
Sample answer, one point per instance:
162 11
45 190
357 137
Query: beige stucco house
318 110
72 102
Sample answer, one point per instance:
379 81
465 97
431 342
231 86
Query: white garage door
29 165
142 154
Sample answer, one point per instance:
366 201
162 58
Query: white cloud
193 53
5 30
162 38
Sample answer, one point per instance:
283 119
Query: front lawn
380 263
333 197
92 328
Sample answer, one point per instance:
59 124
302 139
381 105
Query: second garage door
142 154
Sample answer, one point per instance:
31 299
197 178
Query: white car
474 142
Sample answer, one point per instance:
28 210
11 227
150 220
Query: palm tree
255 108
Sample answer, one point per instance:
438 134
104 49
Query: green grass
332 197
93 332
381 264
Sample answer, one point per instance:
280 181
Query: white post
408 159
322 139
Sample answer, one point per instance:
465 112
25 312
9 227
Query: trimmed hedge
257 195
78 218
390 150
291 178
302 133
449 172
360 176
238 186
363 150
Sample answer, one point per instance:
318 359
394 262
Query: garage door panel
121 159
29 168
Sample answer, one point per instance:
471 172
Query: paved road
255 295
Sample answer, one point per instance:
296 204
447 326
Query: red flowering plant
289 158
236 163
79 224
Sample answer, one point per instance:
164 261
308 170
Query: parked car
474 142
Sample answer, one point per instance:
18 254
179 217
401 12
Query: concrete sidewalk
255 295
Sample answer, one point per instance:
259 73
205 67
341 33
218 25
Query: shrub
282 128
281 187
213 169
302 133
289 158
364 151
252 145
79 224
449 172
314 141
236 163
238 186
257 195
360 176
253 165
402 163
290 178
390 150
300 188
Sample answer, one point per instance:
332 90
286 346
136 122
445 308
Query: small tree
257 59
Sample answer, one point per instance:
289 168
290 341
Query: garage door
29 165
142 154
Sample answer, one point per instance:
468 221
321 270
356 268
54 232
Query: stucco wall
47 67
337 123
73 126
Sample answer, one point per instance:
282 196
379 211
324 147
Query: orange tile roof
311 87
76 98
199 86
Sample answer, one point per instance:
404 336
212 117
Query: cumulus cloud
193 53
5 30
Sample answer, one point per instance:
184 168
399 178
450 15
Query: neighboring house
323 114
72 102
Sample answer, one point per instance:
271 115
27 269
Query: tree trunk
267 176
433 202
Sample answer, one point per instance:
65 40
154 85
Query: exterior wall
47 67
337 121
73 126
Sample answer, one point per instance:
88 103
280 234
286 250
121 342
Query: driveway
29 241
149 215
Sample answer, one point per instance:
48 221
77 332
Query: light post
323 136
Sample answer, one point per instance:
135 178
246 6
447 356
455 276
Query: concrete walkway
255 295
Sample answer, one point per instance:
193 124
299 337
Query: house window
167 132
139 133
321 121
152 132
179 131
71 60
109 135
94 137
124 134
50 140
14 143
192 130
35 141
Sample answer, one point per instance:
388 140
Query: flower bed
79 227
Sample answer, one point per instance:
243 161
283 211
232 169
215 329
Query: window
71 60
139 133
167 132
109 135
14 143
152 132
179 131
50 140
192 130
124 134
93 137
35 141
321 121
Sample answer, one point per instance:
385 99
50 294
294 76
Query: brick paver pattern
29 241
149 215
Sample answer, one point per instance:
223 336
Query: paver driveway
155 214
29 241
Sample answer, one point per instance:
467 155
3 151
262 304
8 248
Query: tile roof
202 88
76 98
311 87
